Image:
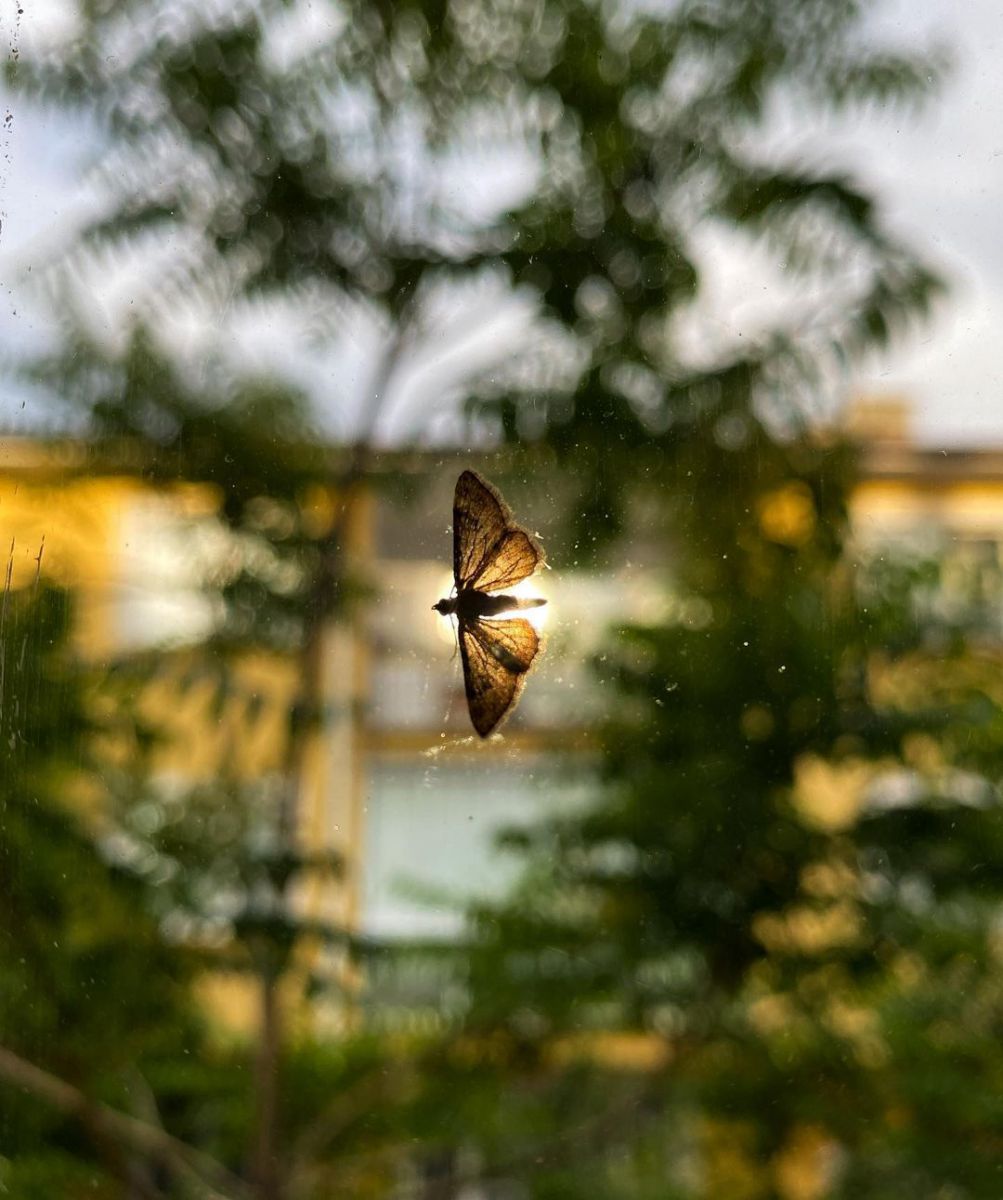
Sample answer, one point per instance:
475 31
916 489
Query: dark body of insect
471 605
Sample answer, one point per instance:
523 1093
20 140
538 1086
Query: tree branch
215 1180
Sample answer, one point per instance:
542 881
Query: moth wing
512 642
496 656
516 556
490 551
480 520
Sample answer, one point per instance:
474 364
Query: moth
490 552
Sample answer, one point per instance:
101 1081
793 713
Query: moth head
443 606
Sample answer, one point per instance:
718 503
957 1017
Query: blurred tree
388 171
88 988
734 972
225 854
394 172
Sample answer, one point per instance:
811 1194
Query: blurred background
708 290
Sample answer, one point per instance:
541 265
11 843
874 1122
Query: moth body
469 604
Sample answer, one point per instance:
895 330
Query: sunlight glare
534 587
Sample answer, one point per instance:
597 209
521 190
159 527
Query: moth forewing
490 550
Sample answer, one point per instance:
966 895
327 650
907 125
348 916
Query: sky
938 176
941 179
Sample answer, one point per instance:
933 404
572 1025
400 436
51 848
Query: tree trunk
267 1183
307 724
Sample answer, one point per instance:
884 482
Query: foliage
326 160
88 989
708 984
794 863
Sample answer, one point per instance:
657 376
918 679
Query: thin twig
563 1146
386 1082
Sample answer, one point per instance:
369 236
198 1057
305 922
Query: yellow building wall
75 531
967 508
